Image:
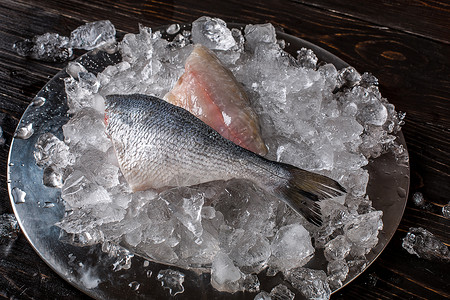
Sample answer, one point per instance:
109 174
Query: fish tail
305 188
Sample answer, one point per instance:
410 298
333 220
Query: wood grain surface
403 43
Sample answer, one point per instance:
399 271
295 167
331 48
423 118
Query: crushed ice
312 116
56 48
424 244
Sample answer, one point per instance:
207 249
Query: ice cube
357 265
348 77
187 205
229 236
94 165
349 161
374 113
81 93
368 80
133 238
74 69
212 33
47 47
356 182
400 153
86 129
238 37
259 33
424 244
337 249
194 251
134 47
330 74
52 151
311 283
281 292
362 231
88 82
250 252
291 247
244 205
79 191
342 130
337 272
307 58
225 276
85 225
53 176
250 283
92 35
160 225
213 225
122 256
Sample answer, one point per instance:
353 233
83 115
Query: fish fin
305 188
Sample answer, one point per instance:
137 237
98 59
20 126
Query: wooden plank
427 18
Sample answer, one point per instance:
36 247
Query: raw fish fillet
210 92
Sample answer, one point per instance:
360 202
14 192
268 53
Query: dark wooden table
404 43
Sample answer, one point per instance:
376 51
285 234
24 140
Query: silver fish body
160 145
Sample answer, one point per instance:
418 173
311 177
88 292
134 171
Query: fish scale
160 145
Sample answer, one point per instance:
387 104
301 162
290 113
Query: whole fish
159 145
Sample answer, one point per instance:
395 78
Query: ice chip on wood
424 244
92 35
50 47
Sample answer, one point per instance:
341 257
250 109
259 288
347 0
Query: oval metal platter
89 268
